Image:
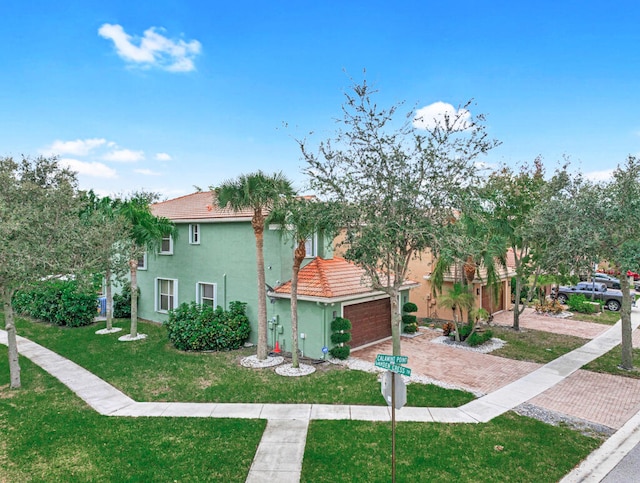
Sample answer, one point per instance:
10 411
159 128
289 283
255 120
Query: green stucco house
213 261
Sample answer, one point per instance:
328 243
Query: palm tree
300 219
458 298
145 232
260 193
112 231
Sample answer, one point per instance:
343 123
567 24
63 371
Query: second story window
142 262
311 246
194 234
166 246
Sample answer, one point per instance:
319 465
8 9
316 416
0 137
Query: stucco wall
226 256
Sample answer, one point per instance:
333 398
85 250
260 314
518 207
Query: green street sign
405 371
392 359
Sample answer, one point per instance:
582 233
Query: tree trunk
109 295
516 309
12 343
396 322
258 228
625 314
298 257
133 265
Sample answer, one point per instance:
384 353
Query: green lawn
48 434
152 370
346 451
534 345
51 435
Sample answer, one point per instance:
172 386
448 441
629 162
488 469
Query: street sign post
394 392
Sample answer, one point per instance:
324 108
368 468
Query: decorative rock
254 363
128 338
289 370
108 331
485 348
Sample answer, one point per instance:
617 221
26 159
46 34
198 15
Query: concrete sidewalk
288 423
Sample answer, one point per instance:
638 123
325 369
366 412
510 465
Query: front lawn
48 434
534 345
152 370
51 435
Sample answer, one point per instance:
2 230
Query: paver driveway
598 398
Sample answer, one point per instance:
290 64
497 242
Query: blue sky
168 95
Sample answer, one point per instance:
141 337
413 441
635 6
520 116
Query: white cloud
147 172
596 176
124 156
96 170
79 147
437 114
163 157
153 49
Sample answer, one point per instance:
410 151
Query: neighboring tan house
423 296
213 261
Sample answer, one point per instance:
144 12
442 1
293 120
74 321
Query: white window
206 294
166 294
194 234
142 262
311 246
166 246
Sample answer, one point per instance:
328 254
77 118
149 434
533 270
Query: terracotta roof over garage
196 206
330 278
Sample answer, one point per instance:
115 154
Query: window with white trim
206 294
311 246
194 234
142 262
166 245
166 294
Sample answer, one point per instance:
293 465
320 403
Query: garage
370 321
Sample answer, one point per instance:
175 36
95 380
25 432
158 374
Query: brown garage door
489 301
370 321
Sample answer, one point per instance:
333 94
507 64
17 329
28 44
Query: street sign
405 371
392 359
400 398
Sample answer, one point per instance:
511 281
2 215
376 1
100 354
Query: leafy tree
144 233
258 192
398 186
42 233
620 223
511 197
301 218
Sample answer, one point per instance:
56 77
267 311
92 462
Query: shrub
464 331
479 338
340 336
549 307
122 302
195 327
409 307
580 303
411 328
448 328
60 302
340 352
340 323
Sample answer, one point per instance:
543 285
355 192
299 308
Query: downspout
224 290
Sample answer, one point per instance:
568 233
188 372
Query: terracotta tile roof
329 278
196 206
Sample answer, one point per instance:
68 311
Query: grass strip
509 448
